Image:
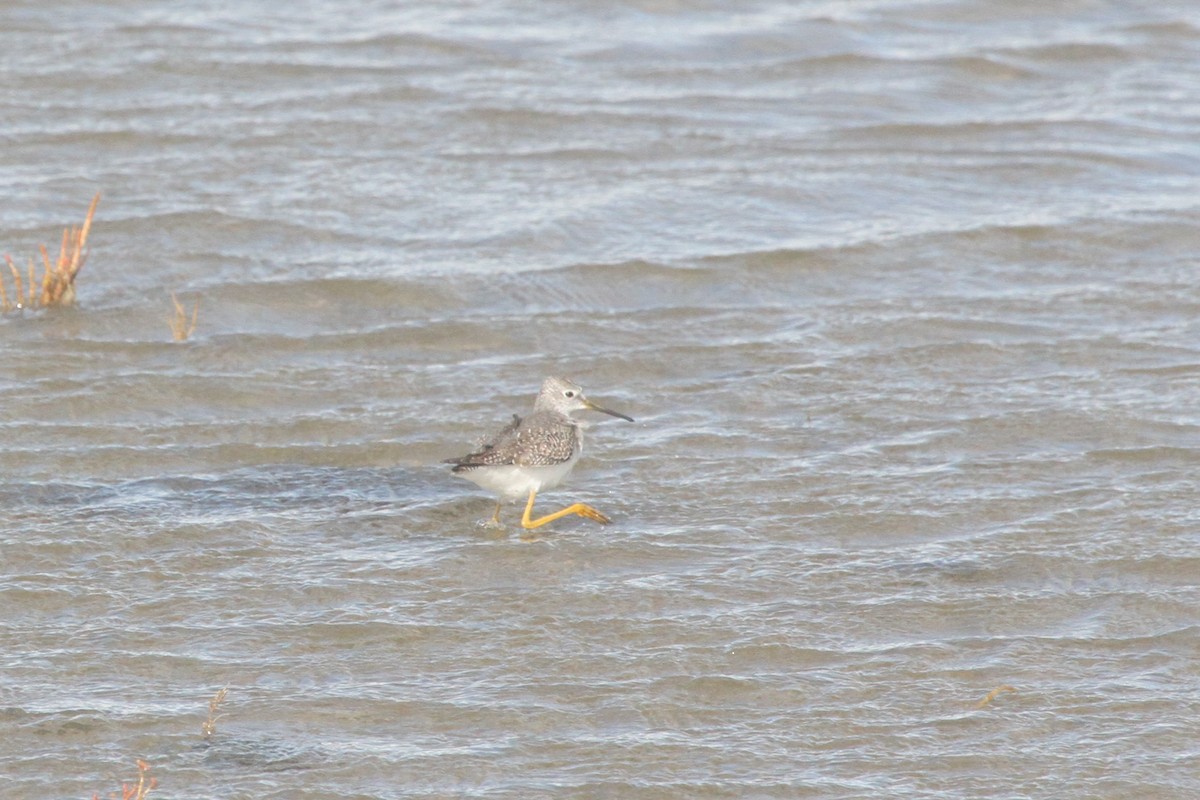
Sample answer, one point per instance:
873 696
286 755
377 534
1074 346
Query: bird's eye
569 393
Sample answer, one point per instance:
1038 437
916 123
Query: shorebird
535 453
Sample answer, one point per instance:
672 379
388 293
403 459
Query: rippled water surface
902 296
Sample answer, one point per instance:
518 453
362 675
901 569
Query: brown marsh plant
139 790
57 284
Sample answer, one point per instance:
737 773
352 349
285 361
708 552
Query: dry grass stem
181 329
137 791
214 706
16 273
57 286
993 694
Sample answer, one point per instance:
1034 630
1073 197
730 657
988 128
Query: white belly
513 482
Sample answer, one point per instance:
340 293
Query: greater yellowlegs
535 453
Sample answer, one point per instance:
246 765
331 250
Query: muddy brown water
902 297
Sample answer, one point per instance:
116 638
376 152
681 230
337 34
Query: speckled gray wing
545 445
533 442
499 450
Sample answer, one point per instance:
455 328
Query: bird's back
542 439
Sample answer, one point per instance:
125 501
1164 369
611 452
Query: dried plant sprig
145 783
181 329
4 304
214 707
16 273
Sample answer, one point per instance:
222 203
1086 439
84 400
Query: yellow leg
581 509
493 524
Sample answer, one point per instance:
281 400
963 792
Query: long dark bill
603 410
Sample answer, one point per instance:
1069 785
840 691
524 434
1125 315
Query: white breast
513 481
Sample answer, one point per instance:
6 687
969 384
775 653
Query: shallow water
901 295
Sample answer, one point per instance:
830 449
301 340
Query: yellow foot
587 511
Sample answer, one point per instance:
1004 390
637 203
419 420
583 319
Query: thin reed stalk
993 694
181 328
